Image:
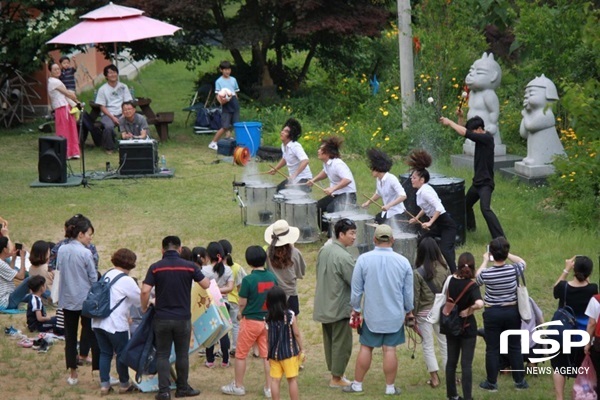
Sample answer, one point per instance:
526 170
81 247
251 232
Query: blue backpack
97 302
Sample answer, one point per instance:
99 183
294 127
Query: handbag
54 293
433 317
523 297
451 322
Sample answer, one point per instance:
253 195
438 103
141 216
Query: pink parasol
112 30
114 23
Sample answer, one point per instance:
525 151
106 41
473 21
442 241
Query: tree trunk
307 61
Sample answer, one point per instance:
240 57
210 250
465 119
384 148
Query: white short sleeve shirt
429 201
337 170
389 188
294 154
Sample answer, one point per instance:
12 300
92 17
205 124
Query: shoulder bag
440 299
523 297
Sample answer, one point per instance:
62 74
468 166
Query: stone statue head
485 73
539 92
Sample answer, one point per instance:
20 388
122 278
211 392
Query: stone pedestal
511 173
534 171
466 161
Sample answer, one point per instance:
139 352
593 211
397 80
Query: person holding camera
11 296
385 280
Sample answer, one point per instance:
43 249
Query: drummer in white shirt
388 188
294 157
341 192
440 223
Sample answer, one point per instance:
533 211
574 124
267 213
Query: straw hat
281 233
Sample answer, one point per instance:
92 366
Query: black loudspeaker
52 165
138 157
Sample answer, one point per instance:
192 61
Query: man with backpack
172 278
385 280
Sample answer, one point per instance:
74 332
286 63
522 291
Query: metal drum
405 243
302 213
452 193
363 237
261 210
293 194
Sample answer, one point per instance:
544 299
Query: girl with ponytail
440 224
222 274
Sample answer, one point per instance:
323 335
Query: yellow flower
386 139
444 107
385 113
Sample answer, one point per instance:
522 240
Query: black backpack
450 321
97 302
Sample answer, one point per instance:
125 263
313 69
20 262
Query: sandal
130 389
433 385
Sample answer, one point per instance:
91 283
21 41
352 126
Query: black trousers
483 194
463 347
445 228
72 318
332 204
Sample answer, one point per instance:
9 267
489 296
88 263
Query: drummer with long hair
440 223
342 188
387 188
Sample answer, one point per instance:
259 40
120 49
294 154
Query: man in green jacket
332 300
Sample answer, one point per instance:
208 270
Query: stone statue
483 79
538 127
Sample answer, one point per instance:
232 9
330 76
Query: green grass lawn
198 205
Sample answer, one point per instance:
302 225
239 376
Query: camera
410 322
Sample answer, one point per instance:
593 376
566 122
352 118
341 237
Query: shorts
229 118
290 367
371 339
251 331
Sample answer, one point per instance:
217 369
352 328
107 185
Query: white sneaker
213 146
234 390
267 392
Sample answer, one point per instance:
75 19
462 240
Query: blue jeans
495 321
168 333
20 295
110 344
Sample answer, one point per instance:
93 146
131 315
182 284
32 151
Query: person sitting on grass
37 320
10 297
253 295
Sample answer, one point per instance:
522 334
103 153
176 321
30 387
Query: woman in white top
388 188
440 223
64 122
221 273
294 157
112 332
341 192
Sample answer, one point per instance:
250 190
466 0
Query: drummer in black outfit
440 222
483 178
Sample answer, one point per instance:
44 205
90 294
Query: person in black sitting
483 168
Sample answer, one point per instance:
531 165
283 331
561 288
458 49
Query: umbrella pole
116 61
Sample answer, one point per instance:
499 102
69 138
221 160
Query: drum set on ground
261 205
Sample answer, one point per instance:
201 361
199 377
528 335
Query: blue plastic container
247 134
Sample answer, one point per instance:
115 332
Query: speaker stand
84 180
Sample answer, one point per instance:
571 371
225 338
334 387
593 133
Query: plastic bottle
163 163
